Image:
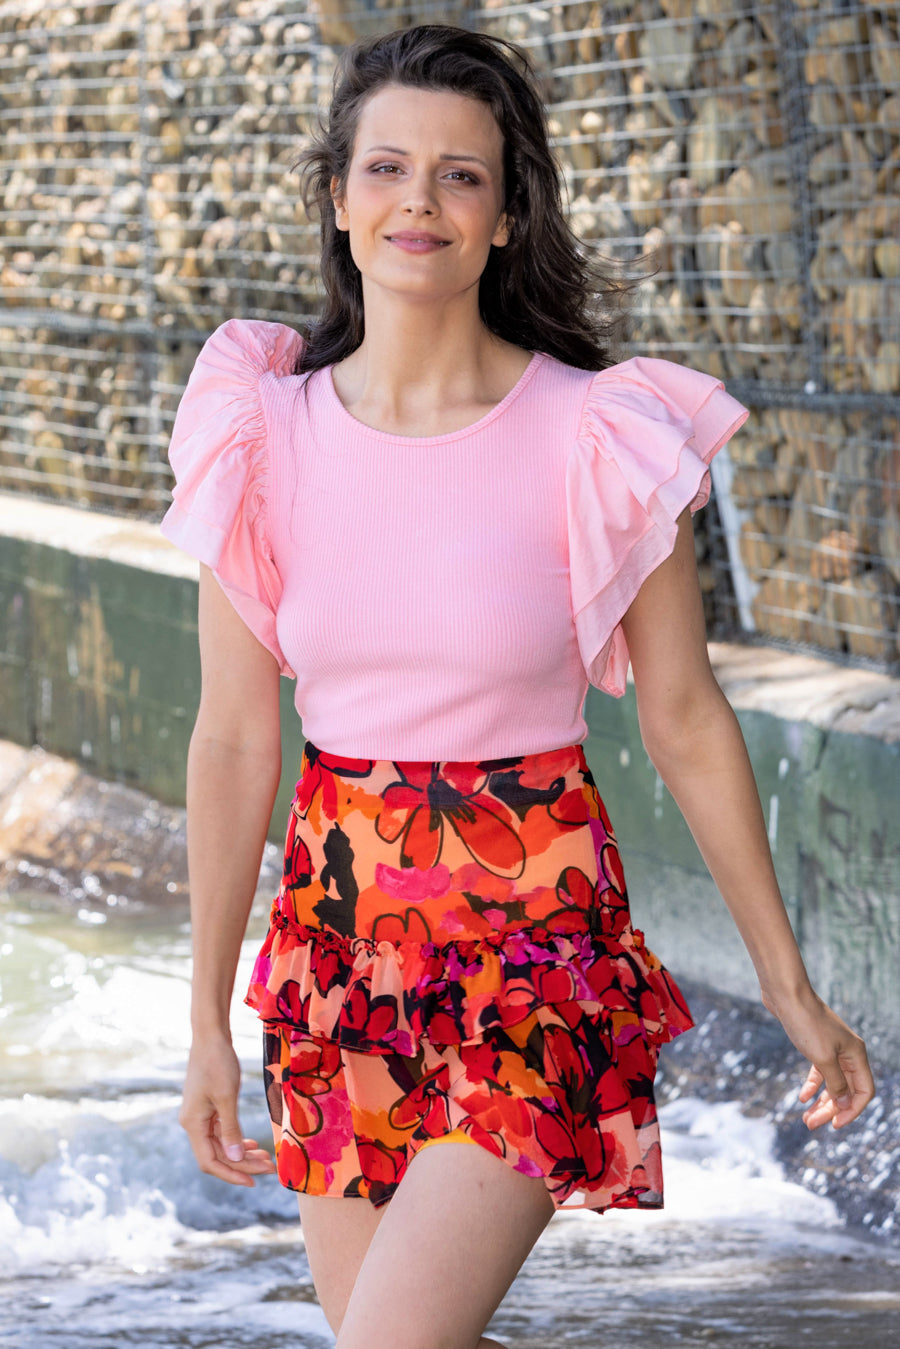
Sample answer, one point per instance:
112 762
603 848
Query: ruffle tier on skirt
451 948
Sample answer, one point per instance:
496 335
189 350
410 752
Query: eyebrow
394 150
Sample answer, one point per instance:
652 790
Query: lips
417 237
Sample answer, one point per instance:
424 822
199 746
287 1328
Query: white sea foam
115 1180
720 1164
105 1173
720 1169
93 1164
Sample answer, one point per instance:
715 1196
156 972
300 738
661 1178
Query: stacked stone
820 536
130 246
210 210
757 167
754 160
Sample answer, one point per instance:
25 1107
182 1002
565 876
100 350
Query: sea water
110 1236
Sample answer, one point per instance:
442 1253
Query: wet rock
738 1050
85 841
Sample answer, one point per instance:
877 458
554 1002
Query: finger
812 1084
820 1112
862 1092
848 1114
203 1144
825 1109
202 1131
247 1145
257 1155
256 1161
228 1130
229 1173
836 1083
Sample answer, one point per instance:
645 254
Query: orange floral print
451 948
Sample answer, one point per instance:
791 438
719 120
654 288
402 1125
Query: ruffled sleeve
219 456
649 429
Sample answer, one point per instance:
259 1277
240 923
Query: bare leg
444 1253
337 1233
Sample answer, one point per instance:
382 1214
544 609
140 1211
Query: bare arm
233 771
695 743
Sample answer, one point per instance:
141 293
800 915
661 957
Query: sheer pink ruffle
649 429
218 454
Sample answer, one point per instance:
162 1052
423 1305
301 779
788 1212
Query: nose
420 199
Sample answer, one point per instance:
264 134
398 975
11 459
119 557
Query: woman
443 513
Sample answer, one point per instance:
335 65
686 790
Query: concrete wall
99 662
98 645
824 741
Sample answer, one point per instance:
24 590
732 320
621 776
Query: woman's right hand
209 1115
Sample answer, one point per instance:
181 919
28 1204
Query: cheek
475 216
362 199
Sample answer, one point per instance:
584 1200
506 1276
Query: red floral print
496 986
417 808
320 775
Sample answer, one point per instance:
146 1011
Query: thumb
231 1137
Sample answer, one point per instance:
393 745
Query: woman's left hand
840 1071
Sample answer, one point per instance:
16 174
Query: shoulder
644 401
643 380
566 381
224 388
222 402
219 434
649 429
252 347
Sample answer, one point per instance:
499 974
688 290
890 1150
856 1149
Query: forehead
411 118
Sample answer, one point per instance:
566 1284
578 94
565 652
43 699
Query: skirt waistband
346 766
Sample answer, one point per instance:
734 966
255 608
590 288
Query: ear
341 218
503 231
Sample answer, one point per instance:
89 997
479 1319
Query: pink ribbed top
438 597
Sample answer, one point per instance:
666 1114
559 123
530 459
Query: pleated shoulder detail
218 452
649 429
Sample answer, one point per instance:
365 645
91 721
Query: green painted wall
832 802
99 662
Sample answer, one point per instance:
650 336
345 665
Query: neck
417 357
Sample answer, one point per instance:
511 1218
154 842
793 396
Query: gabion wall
752 149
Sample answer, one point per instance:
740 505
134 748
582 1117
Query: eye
463 174
379 168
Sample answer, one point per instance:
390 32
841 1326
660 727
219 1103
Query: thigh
450 1243
336 1234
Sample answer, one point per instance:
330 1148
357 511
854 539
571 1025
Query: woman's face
423 199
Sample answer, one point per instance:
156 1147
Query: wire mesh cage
751 150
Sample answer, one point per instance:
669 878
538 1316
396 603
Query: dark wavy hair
542 290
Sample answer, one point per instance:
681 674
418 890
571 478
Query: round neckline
537 359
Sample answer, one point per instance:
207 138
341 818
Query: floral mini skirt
451 950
